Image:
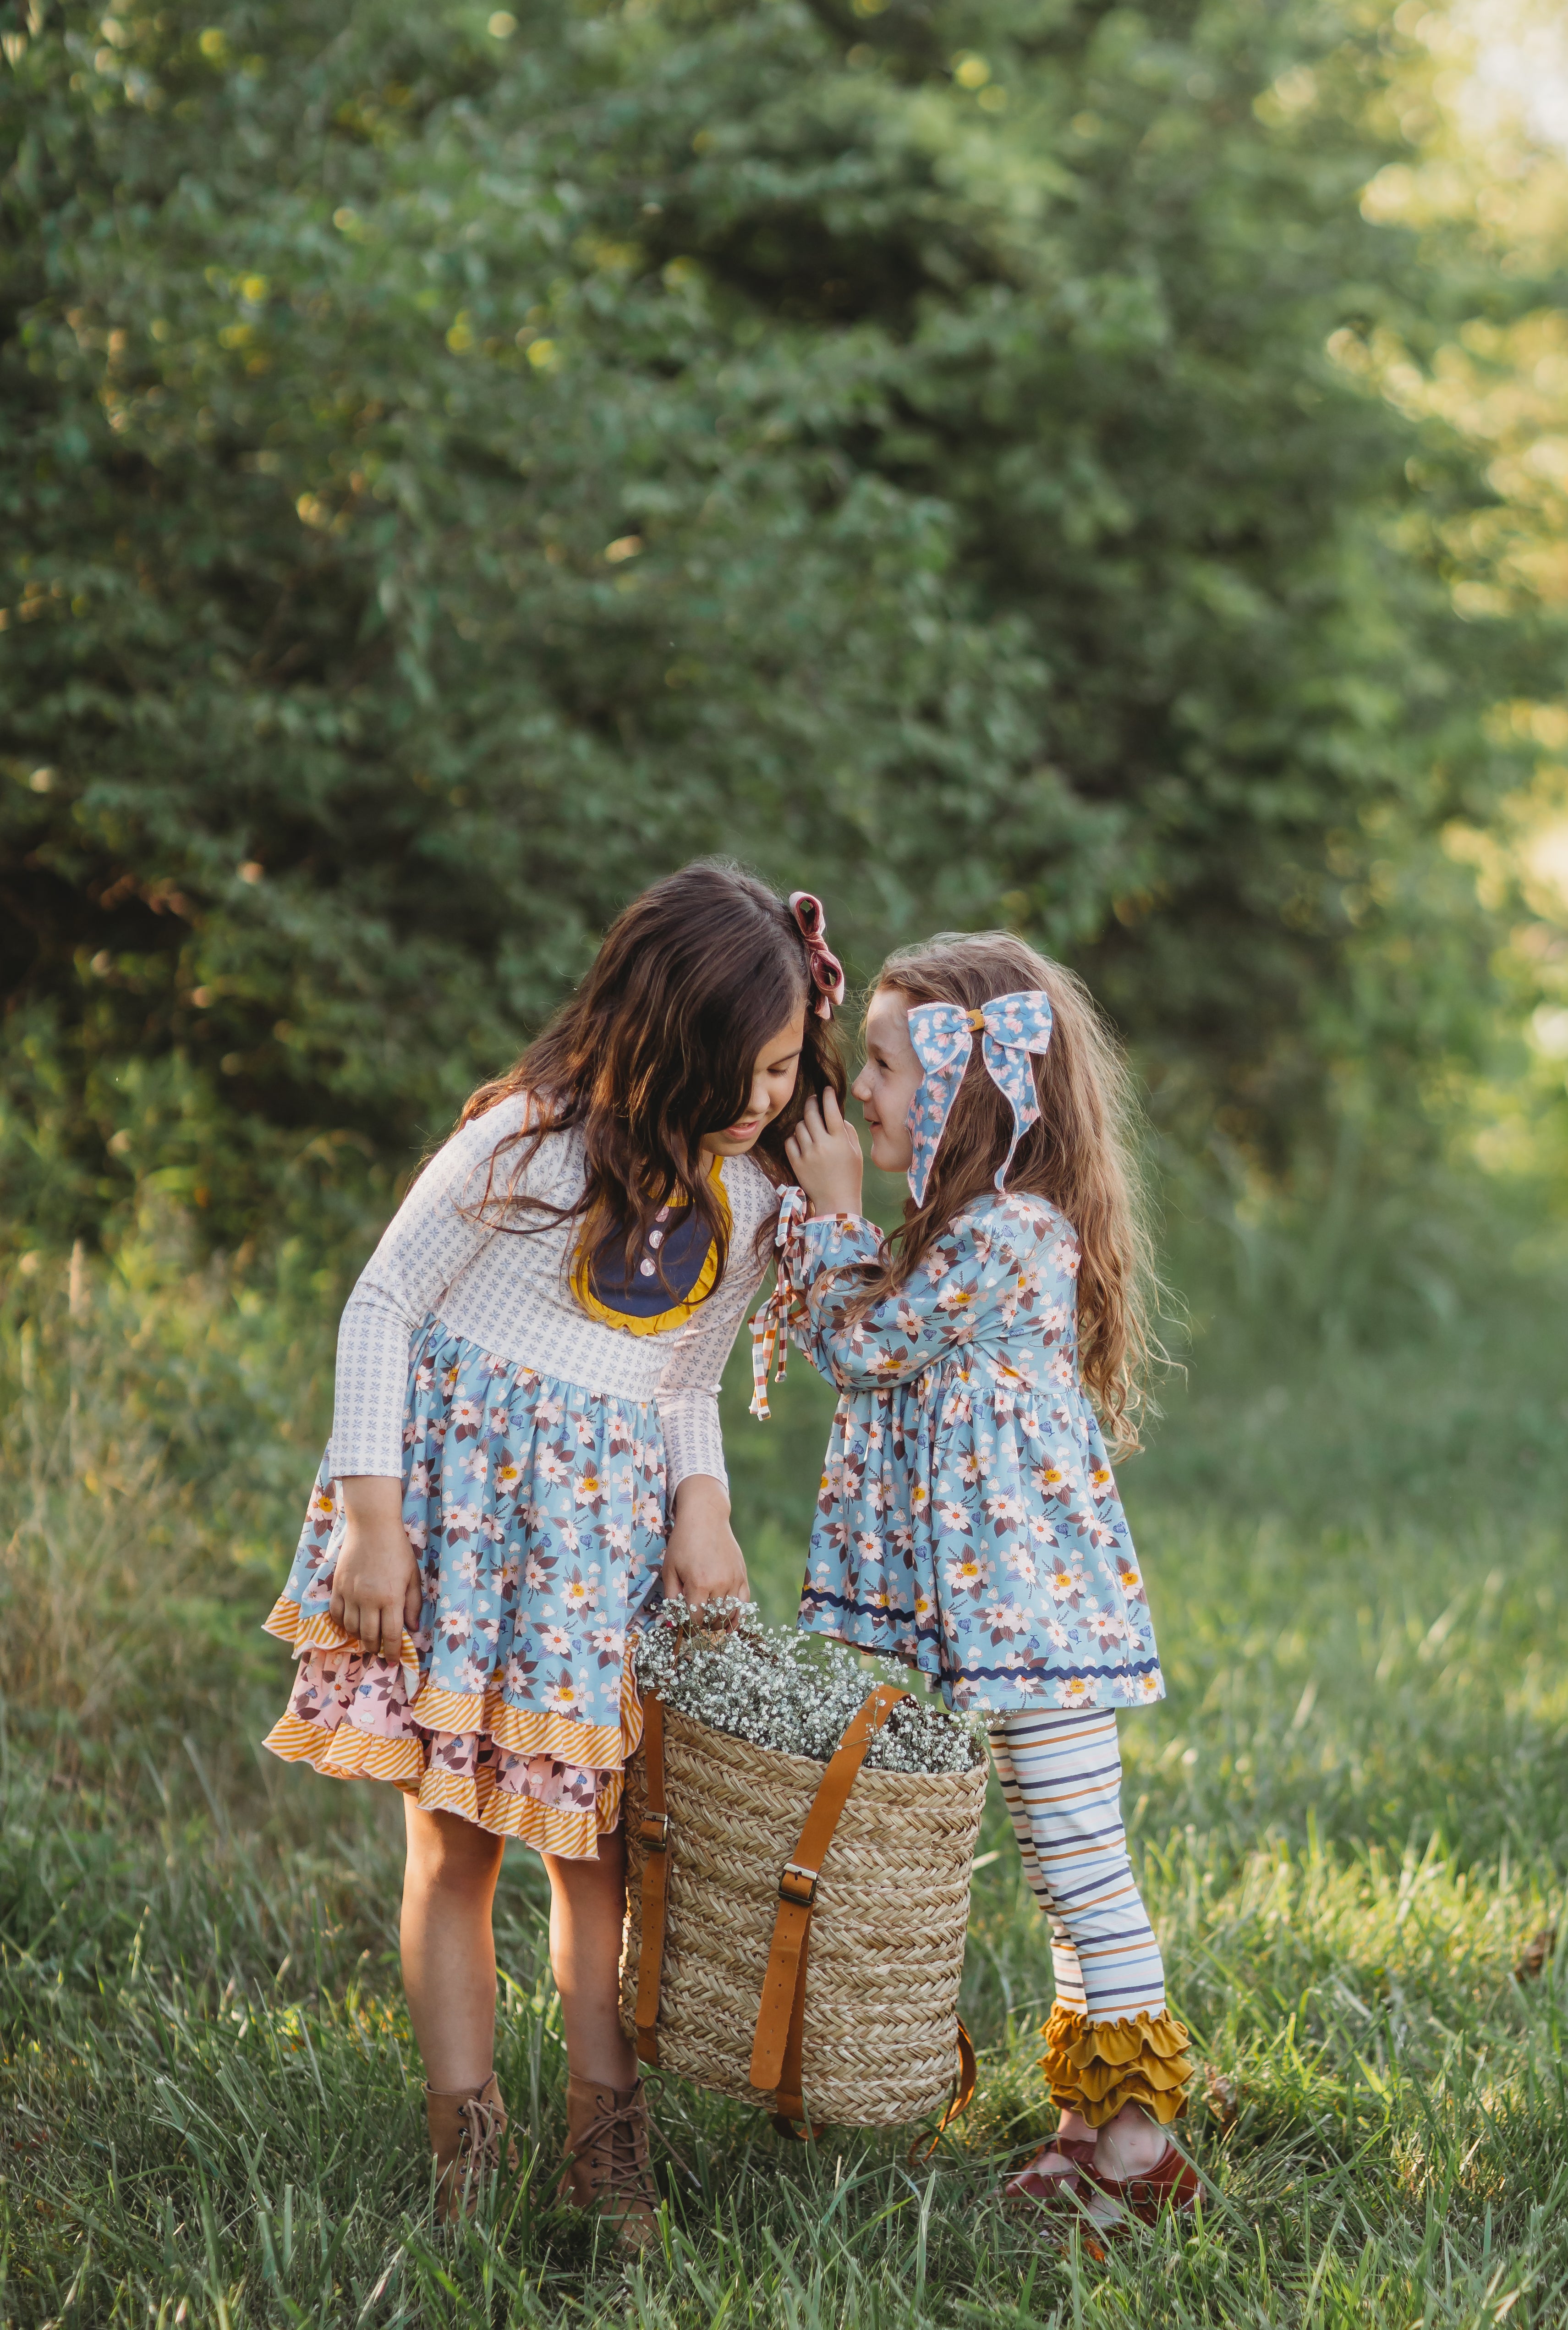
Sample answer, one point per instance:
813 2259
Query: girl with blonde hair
968 1522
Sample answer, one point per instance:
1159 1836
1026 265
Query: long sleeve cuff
838 1242
694 1442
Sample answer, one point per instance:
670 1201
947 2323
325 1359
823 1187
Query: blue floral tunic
968 1522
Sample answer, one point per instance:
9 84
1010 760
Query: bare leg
588 1903
449 1949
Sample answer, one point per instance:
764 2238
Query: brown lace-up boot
607 2164
468 2138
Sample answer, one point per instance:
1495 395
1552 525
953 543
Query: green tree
456 468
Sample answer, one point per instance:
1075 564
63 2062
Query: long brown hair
657 1048
1081 1154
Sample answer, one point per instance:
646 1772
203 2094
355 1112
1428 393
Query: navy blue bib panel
664 1285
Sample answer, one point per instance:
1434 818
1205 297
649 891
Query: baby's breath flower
722 1667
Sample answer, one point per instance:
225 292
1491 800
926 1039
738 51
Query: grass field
1351 1815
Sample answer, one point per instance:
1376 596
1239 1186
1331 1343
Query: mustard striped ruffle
289 1622
523 1731
1095 2068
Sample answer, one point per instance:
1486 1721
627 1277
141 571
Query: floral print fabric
537 1512
968 1522
1011 1028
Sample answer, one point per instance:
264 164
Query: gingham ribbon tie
771 1325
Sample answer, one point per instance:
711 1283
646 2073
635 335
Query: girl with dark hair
525 1439
968 1522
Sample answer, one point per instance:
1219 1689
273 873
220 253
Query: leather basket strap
789 2108
776 2046
655 1837
963 2096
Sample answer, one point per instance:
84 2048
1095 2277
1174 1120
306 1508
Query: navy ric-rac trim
824 1600
814 1595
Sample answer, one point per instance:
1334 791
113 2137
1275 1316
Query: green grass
1351 1815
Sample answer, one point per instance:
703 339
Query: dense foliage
454 467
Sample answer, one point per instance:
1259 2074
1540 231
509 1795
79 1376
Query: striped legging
1060 1774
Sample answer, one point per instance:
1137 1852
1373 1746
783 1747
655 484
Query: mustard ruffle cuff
1095 2068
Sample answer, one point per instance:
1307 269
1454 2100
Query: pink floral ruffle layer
350 1717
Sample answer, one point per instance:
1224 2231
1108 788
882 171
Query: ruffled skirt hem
1095 2068
540 1775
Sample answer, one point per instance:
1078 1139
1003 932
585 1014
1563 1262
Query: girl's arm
428 1245
969 1281
703 1559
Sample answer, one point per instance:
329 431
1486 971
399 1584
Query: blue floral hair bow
1011 1028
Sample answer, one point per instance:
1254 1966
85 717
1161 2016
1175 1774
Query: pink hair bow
823 968
1010 1028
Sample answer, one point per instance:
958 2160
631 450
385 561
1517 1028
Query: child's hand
824 1153
702 1562
376 1588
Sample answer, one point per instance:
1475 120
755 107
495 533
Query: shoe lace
617 2135
480 2146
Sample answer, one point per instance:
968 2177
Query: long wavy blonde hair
1083 1155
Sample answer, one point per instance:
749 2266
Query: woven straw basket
878 1918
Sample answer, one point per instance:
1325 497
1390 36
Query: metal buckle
806 1876
655 1832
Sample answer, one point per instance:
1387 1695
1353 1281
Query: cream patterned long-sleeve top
513 1294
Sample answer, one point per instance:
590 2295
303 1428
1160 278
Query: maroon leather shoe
1171 2183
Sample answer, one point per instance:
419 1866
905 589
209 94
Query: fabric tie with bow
823 968
1011 1029
770 1326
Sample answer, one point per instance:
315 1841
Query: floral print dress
968 1522
540 1408
537 1512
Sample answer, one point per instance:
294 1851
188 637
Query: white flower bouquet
722 1667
